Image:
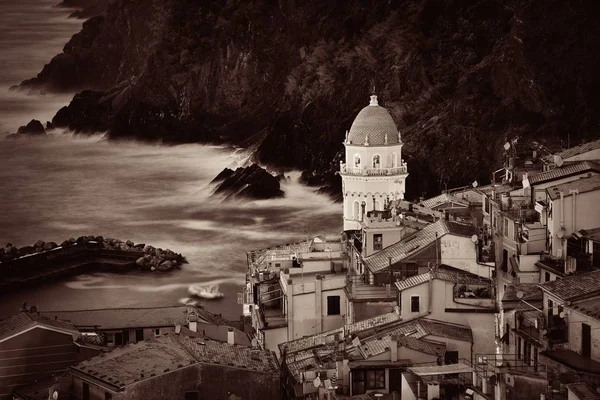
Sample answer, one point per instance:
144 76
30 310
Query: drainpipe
430 294
562 210
574 208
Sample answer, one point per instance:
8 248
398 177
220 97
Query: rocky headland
33 129
460 78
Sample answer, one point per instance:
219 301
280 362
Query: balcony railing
345 170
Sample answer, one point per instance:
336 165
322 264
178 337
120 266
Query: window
518 348
506 227
157 332
507 333
376 379
333 305
547 277
356 161
367 379
139 335
107 396
376 161
86 391
191 395
394 160
378 241
414 304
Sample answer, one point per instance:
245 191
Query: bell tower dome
374 173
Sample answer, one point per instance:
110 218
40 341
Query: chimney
394 349
230 336
192 318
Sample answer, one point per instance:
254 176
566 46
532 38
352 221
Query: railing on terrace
372 171
488 364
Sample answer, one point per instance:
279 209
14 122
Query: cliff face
288 77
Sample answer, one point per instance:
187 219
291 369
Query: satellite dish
558 160
520 294
474 238
178 329
506 145
560 234
55 395
561 314
475 184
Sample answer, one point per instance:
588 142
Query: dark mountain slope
459 76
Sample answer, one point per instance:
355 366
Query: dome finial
373 101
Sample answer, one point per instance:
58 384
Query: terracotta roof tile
589 307
327 337
423 345
441 199
574 286
562 172
573 151
445 273
531 292
413 281
447 330
583 390
582 185
24 320
126 365
122 318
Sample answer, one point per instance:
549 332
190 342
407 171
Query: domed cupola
374 173
373 126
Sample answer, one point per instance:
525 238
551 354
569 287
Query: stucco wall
575 320
460 252
33 355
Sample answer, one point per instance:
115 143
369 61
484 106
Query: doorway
586 340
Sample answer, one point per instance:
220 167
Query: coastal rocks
33 129
251 182
159 259
152 258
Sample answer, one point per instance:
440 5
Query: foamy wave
205 291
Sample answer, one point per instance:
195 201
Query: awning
459 368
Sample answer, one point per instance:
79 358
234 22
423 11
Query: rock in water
34 127
252 182
226 173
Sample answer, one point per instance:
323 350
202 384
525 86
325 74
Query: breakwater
23 267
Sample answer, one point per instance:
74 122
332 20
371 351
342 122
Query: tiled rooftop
325 337
422 345
531 292
590 307
591 234
442 199
376 124
498 188
127 365
583 390
447 329
582 185
573 151
562 172
213 352
443 273
416 242
123 318
574 286
24 320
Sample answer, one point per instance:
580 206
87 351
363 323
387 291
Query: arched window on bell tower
357 161
394 160
376 161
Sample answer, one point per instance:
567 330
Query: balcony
530 325
359 290
363 171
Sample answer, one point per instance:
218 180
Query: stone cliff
459 77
